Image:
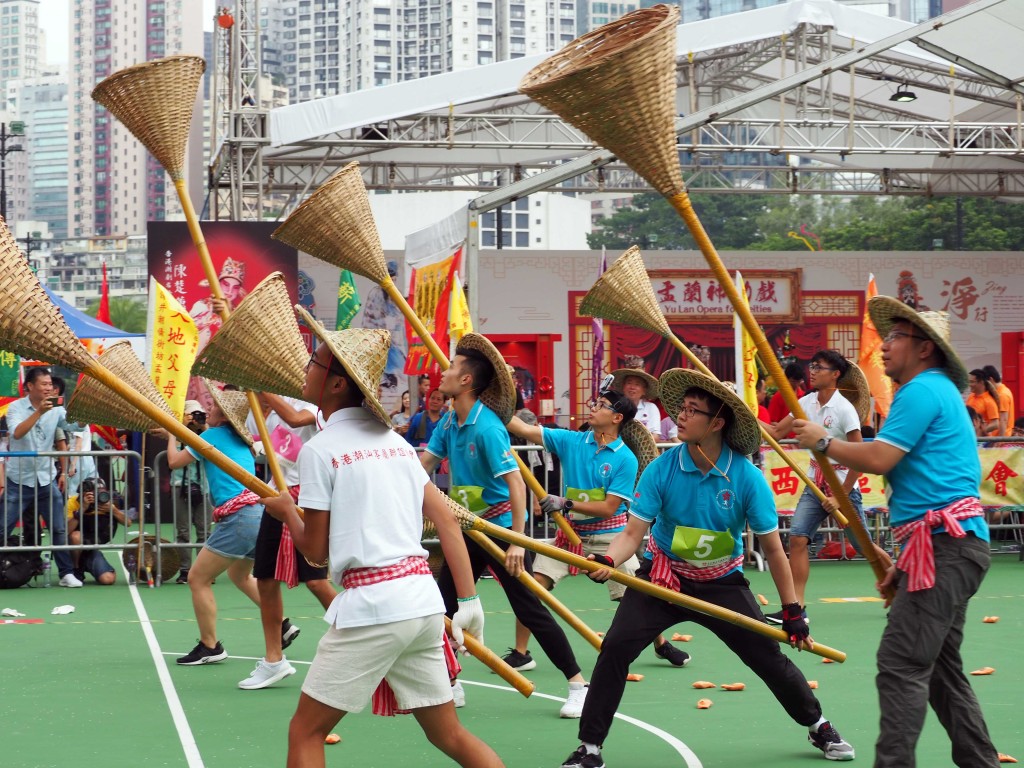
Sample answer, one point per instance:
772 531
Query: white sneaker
458 695
69 580
267 674
573 707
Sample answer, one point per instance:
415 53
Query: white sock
273 663
814 728
592 749
577 686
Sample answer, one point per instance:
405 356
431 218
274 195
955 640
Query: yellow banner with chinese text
173 342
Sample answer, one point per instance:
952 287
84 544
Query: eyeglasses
598 405
689 411
893 335
318 364
814 368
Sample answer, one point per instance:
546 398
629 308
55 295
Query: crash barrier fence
177 504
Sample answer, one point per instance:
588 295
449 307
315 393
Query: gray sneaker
828 740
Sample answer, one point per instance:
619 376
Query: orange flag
871 357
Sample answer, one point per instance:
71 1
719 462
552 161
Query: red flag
103 313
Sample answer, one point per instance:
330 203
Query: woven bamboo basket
170 559
94 403
259 347
617 85
336 225
155 101
854 387
234 404
624 294
30 324
641 442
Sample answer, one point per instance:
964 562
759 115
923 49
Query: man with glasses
927 451
696 499
824 405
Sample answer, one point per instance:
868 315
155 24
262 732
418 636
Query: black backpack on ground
17 568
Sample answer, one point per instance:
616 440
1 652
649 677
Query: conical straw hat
617 84
854 387
30 324
94 403
641 442
624 294
743 435
885 311
154 101
259 347
234 405
362 352
500 394
336 225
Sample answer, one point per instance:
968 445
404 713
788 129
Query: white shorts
351 662
595 544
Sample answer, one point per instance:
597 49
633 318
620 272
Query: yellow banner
746 350
460 322
1002 486
173 342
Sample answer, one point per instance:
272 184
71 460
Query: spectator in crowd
92 519
984 399
642 390
32 482
1018 427
401 416
192 508
761 389
423 391
1006 405
777 408
422 424
669 432
975 421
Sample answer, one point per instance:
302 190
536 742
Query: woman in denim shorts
236 515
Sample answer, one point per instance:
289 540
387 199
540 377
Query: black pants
640 618
525 605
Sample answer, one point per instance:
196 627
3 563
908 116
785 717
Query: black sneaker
288 633
203 655
672 654
828 740
521 662
583 759
182 577
776 618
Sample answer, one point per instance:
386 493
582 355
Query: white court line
185 736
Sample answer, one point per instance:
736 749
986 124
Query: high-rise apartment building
20 49
116 186
41 103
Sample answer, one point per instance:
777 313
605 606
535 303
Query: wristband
604 560
468 599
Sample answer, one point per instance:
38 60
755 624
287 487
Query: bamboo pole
492 660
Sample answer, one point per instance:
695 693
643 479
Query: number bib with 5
702 548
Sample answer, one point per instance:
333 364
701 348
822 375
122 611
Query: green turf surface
83 689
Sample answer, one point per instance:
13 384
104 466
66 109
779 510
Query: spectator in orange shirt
984 400
1005 402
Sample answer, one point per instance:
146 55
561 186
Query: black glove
604 560
794 624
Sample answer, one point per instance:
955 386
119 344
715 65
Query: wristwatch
567 507
822 445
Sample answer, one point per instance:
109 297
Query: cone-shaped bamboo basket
93 403
624 294
259 346
149 100
641 442
470 522
336 225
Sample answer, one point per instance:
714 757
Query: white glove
257 448
469 617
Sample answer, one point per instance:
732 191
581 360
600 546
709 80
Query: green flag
348 300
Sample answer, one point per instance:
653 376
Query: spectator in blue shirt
32 482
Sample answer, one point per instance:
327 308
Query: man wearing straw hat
237 512
641 388
485 479
927 451
365 496
697 499
835 382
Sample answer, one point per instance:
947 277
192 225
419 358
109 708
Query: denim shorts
235 536
92 561
809 514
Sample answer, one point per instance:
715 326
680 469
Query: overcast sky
53 18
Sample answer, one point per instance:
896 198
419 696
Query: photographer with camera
191 502
93 519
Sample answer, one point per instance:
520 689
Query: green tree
125 313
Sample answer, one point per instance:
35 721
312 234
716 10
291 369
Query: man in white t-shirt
290 423
364 496
824 405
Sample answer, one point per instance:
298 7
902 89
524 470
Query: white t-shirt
274 420
837 416
647 413
372 482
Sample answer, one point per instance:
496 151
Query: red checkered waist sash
597 526
666 571
917 558
818 476
244 499
496 510
362 577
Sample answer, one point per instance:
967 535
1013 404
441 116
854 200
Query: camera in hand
102 497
